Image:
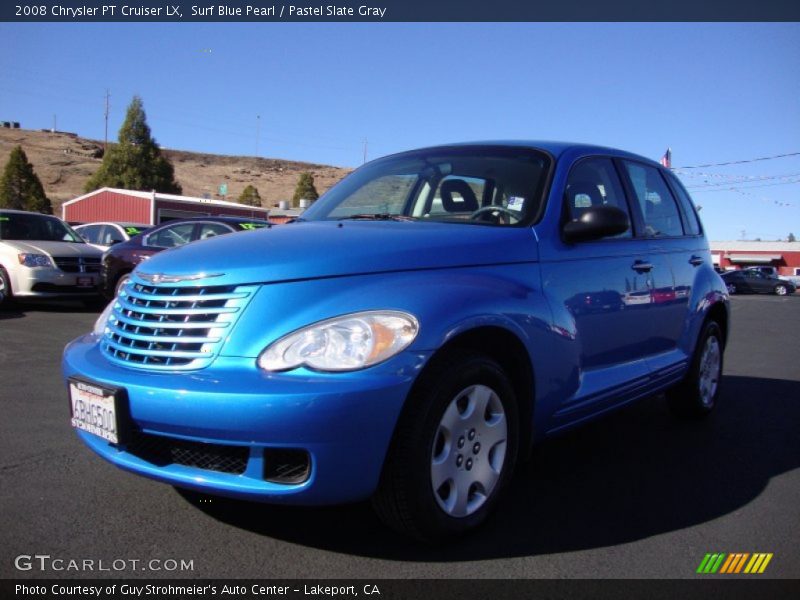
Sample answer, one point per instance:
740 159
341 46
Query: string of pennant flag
720 182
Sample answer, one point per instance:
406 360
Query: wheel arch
719 313
507 350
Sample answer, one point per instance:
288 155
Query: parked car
42 257
756 282
411 336
103 235
773 272
120 259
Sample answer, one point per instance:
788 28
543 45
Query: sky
713 93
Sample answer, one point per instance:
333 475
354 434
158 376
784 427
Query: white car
42 257
103 235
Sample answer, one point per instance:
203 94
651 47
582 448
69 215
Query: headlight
35 260
102 320
345 343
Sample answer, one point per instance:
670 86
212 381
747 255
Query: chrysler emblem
157 278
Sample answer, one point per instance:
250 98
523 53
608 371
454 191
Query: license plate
85 281
94 409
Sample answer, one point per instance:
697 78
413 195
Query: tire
731 288
6 295
454 449
781 290
696 396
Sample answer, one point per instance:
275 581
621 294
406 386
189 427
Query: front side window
169 237
33 227
594 182
660 213
209 230
467 185
91 233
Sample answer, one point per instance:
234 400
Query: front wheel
731 288
696 396
781 290
454 449
6 297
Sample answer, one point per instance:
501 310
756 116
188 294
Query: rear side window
594 182
659 211
691 220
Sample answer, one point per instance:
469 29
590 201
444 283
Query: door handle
696 261
641 266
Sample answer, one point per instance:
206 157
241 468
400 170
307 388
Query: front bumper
344 421
48 282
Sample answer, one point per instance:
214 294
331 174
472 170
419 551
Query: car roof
219 219
26 212
554 148
120 223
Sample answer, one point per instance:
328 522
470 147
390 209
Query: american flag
666 160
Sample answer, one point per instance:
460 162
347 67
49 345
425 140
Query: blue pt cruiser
411 336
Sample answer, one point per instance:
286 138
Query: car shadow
634 474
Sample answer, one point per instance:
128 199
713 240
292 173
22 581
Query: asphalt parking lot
635 495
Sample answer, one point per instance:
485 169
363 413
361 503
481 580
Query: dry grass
64 162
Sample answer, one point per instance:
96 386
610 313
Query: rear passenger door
678 250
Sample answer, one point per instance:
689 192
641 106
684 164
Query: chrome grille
77 264
170 328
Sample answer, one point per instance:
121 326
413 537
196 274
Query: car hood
307 250
53 248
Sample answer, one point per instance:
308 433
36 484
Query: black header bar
398 10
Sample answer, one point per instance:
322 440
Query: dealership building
151 208
784 256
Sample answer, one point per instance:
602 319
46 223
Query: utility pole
258 132
365 150
105 140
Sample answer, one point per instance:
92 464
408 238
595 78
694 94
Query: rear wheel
454 449
731 288
696 396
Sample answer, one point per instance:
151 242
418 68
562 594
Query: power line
740 162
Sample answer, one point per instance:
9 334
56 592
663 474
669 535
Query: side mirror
595 223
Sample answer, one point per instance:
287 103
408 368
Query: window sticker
516 202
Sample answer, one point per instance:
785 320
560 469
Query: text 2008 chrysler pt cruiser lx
425 322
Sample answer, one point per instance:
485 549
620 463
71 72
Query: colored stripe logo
741 562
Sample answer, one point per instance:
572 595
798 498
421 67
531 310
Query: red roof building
149 208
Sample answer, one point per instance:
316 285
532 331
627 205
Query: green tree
305 189
136 162
20 188
250 196
791 238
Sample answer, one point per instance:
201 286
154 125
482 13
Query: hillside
64 162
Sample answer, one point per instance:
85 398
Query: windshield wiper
376 217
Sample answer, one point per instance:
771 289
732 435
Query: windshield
470 184
33 227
